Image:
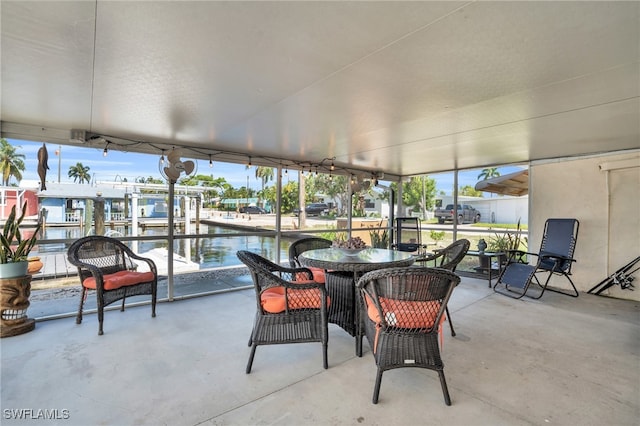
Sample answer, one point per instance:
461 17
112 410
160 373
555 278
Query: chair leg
325 362
83 294
555 290
100 319
453 332
253 353
445 390
376 389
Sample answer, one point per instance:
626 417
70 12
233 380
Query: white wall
607 204
503 209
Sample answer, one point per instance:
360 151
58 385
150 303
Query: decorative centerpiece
350 247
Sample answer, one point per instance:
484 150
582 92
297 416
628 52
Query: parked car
314 209
464 213
252 210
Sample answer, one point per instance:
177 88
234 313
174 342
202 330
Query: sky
120 165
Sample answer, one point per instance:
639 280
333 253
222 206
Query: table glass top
368 255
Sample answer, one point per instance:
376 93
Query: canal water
208 252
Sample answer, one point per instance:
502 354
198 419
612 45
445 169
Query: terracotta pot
35 264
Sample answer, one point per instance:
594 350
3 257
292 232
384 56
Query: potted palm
14 249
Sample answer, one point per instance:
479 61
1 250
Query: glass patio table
341 273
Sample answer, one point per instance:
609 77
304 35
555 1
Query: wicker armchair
448 258
402 310
291 307
109 267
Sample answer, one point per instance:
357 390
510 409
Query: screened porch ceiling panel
399 87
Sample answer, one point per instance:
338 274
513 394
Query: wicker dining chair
448 258
402 310
290 306
109 267
310 243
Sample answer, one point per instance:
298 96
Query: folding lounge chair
554 258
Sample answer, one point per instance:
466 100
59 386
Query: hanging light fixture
106 150
210 161
162 158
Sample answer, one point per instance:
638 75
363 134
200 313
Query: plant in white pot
14 249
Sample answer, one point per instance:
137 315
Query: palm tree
489 173
11 162
265 174
79 173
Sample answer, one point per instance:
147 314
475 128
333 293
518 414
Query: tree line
419 192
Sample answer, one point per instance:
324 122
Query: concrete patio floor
556 361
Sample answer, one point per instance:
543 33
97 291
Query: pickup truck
464 213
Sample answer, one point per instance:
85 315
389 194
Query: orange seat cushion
405 313
318 274
120 279
273 299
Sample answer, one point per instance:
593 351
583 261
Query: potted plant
504 243
14 250
379 237
15 284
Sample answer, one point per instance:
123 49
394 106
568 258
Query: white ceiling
401 87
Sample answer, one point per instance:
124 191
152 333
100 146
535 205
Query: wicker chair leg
376 389
253 353
325 362
100 319
445 390
122 308
453 332
82 296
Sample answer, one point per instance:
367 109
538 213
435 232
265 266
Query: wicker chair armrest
94 270
149 262
432 256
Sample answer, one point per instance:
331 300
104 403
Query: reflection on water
208 252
